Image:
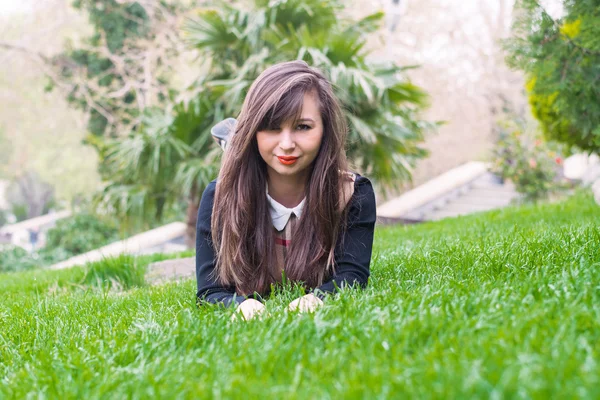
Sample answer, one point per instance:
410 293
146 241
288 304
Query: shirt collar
280 214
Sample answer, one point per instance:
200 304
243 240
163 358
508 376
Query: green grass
504 304
113 273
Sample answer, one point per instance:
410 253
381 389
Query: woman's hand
248 309
309 303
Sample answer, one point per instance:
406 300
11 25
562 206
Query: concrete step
441 214
467 208
438 215
499 201
488 178
475 199
432 190
477 191
451 212
494 192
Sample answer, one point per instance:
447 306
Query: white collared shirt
280 214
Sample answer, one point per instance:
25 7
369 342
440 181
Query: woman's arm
353 255
209 290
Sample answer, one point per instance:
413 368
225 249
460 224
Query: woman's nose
286 141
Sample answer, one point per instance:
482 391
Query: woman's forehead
294 107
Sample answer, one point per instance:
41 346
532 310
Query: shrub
533 165
79 234
15 258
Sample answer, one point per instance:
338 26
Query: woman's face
291 148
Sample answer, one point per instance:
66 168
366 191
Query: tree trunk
160 208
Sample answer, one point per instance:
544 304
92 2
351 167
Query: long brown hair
242 230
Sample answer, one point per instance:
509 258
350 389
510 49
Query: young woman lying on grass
284 203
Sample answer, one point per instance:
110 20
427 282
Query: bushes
71 236
15 258
534 166
79 234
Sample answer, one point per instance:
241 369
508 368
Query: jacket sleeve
209 289
353 254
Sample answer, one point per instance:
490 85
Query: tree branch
557 25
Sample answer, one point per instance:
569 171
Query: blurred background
106 105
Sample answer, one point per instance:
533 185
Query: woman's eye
303 127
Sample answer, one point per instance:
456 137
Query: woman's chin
286 170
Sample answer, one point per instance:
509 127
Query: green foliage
123 66
19 211
119 21
381 105
115 22
80 233
561 59
462 308
15 258
167 162
534 166
103 275
170 156
72 236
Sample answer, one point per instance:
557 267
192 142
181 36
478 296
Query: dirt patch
171 270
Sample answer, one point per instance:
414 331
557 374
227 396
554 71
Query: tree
122 77
172 155
170 159
561 58
29 196
381 105
125 66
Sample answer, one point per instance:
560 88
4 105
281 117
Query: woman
284 203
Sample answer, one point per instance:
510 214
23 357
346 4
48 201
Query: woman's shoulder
208 196
357 181
357 178
211 187
357 189
362 207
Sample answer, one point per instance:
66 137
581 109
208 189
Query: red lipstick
287 160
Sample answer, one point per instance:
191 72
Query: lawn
504 304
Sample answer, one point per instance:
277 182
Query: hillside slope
502 304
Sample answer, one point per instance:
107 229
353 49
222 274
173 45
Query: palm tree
172 156
168 160
381 105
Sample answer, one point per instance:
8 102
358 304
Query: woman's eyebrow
305 119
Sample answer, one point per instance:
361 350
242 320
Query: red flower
558 160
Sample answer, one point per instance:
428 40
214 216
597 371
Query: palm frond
366 25
209 31
296 13
362 130
198 172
